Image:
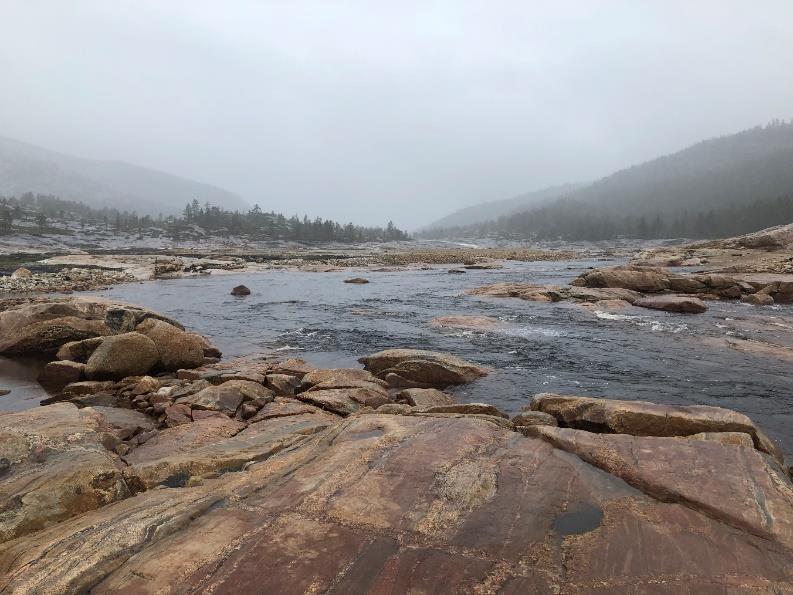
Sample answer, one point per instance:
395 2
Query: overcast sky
372 110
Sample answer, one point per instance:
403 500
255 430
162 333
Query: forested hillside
726 186
42 214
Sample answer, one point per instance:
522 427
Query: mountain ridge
25 167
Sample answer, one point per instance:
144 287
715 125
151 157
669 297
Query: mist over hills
498 208
113 184
731 184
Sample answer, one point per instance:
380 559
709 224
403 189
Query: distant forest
43 211
574 220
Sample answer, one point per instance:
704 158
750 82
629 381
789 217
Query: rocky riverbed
201 474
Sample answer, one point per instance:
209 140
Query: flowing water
533 347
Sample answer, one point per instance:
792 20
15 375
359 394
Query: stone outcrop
640 418
641 279
555 293
43 326
422 503
673 303
421 367
128 354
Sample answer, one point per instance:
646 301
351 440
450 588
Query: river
535 347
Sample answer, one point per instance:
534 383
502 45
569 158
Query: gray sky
373 110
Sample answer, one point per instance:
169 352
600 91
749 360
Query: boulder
283 407
425 367
466 322
640 418
673 303
357 281
240 290
640 279
56 375
79 351
177 415
128 354
43 326
87 387
227 397
282 384
687 284
21 273
424 397
176 348
758 299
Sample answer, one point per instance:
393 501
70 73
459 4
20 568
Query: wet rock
125 423
4 392
293 367
466 409
283 384
466 322
79 351
673 303
758 299
394 409
240 290
357 281
176 348
426 367
640 418
129 354
283 407
534 418
177 415
397 503
639 279
738 486
227 397
424 397
344 401
555 293
56 467
177 457
56 375
456 271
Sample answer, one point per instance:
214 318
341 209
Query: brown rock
534 418
125 423
424 397
283 384
426 367
283 407
467 409
240 290
758 299
293 367
642 280
176 348
409 504
344 401
56 375
226 397
673 303
79 351
55 465
178 414
129 354
357 281
466 322
640 418
21 273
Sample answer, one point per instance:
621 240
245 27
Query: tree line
574 220
45 210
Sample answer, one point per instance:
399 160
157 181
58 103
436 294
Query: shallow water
537 347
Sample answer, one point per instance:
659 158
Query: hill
102 184
498 208
724 186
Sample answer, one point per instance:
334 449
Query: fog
369 111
